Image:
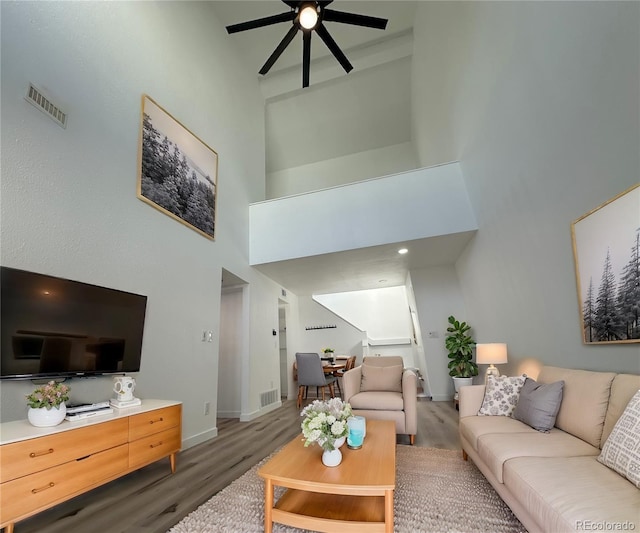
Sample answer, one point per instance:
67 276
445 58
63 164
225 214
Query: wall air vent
268 397
34 96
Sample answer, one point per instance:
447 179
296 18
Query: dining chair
310 374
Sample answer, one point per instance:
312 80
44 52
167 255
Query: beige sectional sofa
553 481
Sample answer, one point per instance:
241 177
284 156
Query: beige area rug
436 491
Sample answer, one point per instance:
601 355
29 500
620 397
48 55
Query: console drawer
153 422
34 455
27 494
149 449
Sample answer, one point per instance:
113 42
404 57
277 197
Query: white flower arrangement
325 422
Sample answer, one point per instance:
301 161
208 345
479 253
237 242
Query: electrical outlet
207 408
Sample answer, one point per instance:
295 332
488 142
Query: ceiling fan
309 16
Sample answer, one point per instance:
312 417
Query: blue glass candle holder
357 431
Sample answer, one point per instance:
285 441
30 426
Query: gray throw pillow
538 404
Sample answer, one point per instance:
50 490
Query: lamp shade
494 353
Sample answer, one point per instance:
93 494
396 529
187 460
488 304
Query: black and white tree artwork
178 173
607 253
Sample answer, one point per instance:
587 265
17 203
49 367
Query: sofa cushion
585 398
501 395
589 497
538 404
378 401
623 387
496 449
473 427
621 451
381 378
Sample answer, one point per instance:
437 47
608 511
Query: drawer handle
155 445
158 420
38 454
50 485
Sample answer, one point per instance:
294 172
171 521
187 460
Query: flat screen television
54 327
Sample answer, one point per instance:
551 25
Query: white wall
229 398
340 170
427 202
368 109
438 295
345 339
68 195
383 314
539 101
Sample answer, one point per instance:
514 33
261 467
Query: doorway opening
282 339
232 347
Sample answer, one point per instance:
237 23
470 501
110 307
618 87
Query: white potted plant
460 345
47 405
325 423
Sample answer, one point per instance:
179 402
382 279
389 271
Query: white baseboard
442 398
228 414
247 417
200 437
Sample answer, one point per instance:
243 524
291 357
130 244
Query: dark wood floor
152 499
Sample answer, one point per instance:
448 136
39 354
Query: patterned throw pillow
621 451
501 395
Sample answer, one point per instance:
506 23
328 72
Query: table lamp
491 354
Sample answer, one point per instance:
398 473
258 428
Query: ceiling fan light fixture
308 16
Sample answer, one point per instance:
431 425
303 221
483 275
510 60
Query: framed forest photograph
606 248
177 172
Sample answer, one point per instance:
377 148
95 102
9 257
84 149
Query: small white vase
42 417
331 457
339 442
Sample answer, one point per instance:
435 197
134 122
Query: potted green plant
460 345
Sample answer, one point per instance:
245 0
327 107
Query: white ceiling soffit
365 268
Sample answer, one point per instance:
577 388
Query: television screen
53 327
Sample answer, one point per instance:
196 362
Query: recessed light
403 251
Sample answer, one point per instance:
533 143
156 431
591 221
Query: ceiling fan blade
324 3
260 23
335 49
279 49
292 4
306 57
351 18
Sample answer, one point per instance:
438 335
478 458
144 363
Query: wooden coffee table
355 496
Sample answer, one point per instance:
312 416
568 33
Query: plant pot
331 457
461 382
42 417
339 442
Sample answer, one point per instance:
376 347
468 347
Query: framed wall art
177 172
606 248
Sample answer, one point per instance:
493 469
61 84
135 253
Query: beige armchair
381 389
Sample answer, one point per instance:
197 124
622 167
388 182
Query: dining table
332 368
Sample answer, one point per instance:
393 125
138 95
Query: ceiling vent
34 96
